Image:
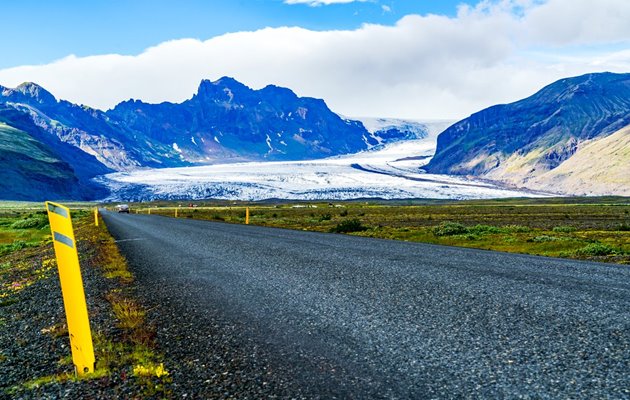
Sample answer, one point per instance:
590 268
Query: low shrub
349 225
624 228
564 229
542 239
468 236
449 229
15 246
484 229
325 217
596 249
30 223
516 229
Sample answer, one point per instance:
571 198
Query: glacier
392 171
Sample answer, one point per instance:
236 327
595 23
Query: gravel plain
254 312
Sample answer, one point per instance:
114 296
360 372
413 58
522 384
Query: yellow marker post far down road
246 215
71 288
96 216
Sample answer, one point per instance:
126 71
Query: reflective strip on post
61 238
71 288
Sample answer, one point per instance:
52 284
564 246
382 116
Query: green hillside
30 171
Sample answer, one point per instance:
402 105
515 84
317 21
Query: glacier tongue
392 172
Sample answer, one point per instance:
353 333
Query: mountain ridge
224 121
266 124
517 142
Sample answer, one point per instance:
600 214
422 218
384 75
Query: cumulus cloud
315 3
422 67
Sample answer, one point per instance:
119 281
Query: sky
416 59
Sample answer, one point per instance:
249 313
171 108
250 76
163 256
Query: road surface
249 311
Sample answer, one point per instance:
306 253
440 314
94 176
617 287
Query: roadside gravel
34 341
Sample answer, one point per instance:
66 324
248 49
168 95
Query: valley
231 142
392 171
315 199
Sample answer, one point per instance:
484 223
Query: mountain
598 167
30 170
224 121
522 142
110 141
228 120
82 127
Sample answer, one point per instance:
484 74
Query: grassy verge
25 252
131 351
596 229
31 315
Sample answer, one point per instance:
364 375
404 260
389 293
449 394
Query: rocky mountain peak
29 93
223 88
36 92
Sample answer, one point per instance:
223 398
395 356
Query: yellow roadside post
71 288
149 212
246 215
175 212
95 216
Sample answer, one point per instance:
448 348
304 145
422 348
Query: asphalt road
248 311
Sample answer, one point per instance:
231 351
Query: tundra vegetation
595 229
34 348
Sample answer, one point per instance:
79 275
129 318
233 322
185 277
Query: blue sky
45 30
418 59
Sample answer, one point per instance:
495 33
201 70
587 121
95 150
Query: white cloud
315 3
386 9
422 67
579 22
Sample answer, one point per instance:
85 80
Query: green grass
582 228
25 224
19 230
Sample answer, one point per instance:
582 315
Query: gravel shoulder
251 312
35 360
